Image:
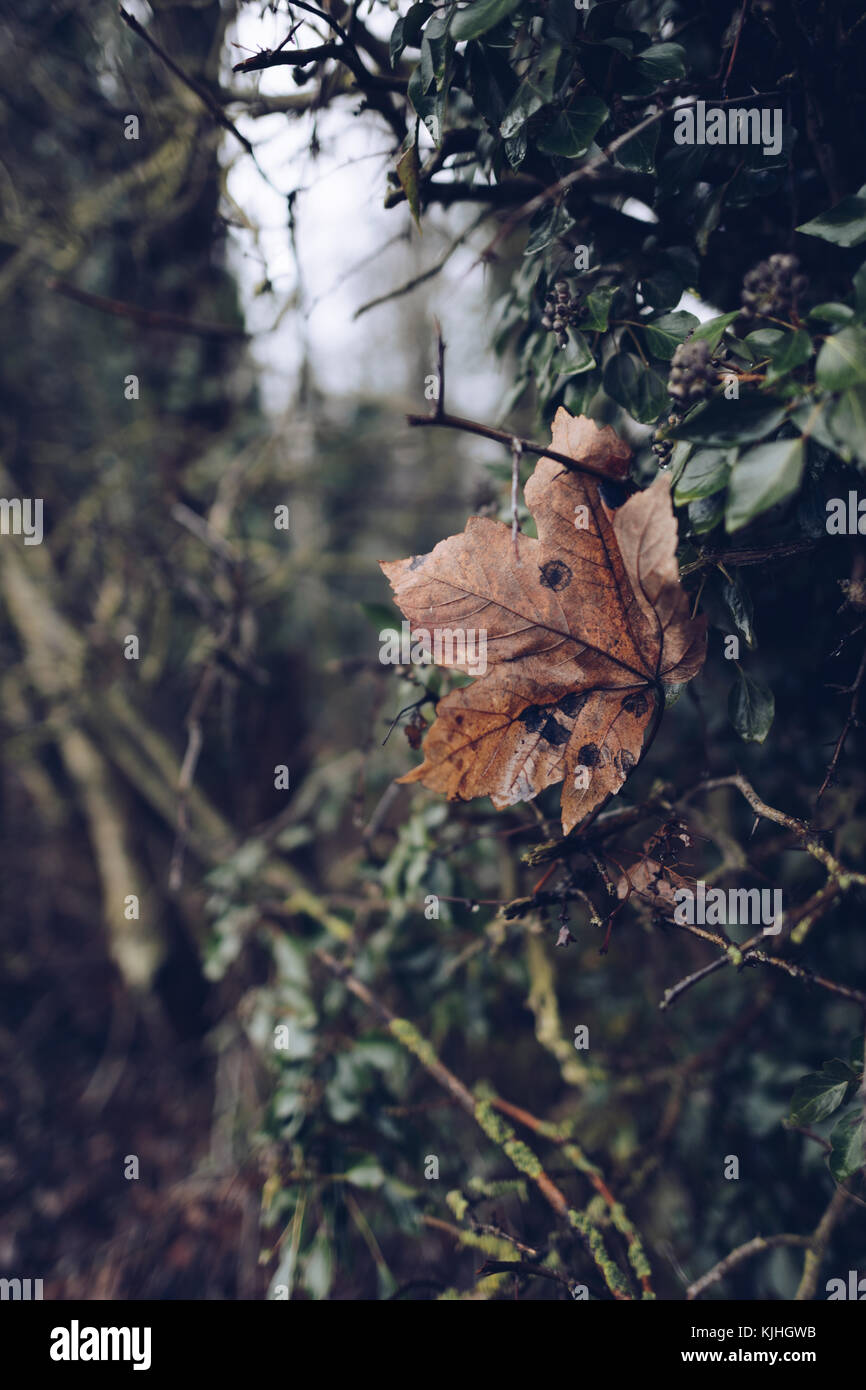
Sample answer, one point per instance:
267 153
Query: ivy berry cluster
693 377
561 309
773 288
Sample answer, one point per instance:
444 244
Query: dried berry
663 447
772 289
561 309
692 375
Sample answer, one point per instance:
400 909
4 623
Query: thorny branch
839 880
441 418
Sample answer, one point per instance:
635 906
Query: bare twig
295 58
670 995
516 451
734 46
799 972
747 557
440 371
818 1243
201 92
850 721
736 1257
416 280
456 422
145 318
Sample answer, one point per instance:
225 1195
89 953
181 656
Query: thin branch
423 277
735 45
747 557
375 86
440 370
818 1246
850 721
201 92
145 318
456 422
845 877
736 1257
441 418
294 58
799 972
496 195
587 171
584 1165
672 994
523 1267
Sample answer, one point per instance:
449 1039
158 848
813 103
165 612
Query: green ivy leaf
639 154
597 309
536 90
480 16
663 62
679 169
579 392
816 1096
407 31
492 82
843 225
664 335
661 290
847 423
842 360
576 357
710 217
831 313
397 42
789 351
761 478
706 513
546 226
726 423
426 105
640 390
516 148
751 707
848 1145
574 130
738 601
712 331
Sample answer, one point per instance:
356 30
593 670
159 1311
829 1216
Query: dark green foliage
413 1033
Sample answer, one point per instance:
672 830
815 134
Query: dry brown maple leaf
583 628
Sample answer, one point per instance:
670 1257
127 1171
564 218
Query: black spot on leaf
588 755
626 761
555 575
533 717
572 704
555 734
538 720
635 704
